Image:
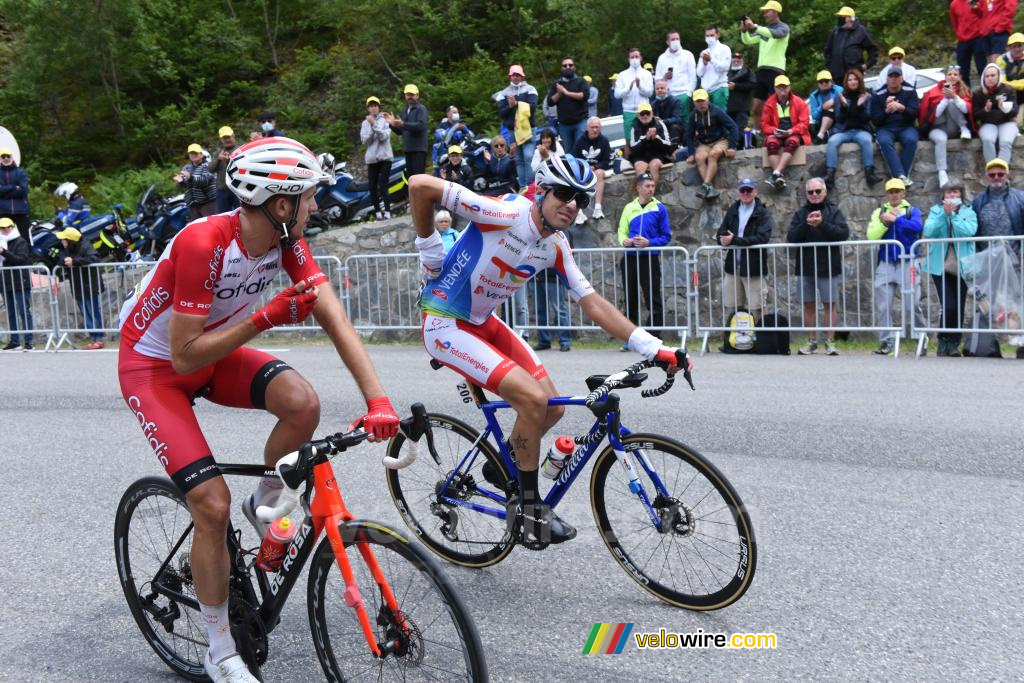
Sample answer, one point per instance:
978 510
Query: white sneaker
906 181
230 670
943 179
598 213
581 218
965 133
249 510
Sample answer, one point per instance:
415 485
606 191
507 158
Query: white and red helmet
260 169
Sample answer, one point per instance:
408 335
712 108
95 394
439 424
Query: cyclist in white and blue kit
508 240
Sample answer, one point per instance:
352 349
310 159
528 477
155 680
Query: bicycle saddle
630 381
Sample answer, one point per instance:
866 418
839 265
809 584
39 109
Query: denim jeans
899 164
19 308
226 200
89 305
524 155
861 137
552 294
571 132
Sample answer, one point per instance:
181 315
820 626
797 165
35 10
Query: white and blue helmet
566 171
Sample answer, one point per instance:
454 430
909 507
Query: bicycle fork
635 487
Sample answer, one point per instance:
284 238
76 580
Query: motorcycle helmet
66 190
566 171
260 169
326 160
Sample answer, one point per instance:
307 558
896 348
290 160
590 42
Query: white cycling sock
218 630
267 492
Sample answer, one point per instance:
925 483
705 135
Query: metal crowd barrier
383 291
984 297
716 296
29 312
75 291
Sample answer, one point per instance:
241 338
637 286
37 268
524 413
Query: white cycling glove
431 254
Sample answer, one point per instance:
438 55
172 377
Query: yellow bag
523 129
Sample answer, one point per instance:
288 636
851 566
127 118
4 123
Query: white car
926 80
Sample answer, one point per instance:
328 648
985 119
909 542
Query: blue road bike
667 515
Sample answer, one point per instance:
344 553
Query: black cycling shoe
536 525
493 475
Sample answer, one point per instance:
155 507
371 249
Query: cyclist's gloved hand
380 419
431 254
290 307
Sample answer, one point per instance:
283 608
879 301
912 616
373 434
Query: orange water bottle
275 545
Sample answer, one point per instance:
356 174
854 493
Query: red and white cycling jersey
205 270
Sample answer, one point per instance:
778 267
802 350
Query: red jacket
968 24
931 99
799 112
999 19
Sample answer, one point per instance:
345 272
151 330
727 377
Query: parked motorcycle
348 199
157 220
111 235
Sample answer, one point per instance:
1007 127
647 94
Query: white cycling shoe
249 510
230 670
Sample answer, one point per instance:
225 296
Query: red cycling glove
666 355
290 307
380 419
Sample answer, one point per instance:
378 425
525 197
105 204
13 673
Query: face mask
568 73
711 41
660 98
956 202
634 62
455 117
267 126
674 46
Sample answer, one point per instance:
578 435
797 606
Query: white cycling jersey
497 253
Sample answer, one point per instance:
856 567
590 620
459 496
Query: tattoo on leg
518 443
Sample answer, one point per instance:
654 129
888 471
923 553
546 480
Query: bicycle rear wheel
153 527
437 637
702 555
457 533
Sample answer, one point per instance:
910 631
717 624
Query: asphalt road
885 494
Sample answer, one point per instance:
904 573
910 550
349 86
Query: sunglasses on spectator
645 113
5 156
568 65
746 190
895 58
996 174
498 145
567 194
825 80
815 191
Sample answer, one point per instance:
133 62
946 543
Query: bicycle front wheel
701 555
153 529
435 636
453 530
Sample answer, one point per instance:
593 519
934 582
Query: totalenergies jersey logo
442 346
517 274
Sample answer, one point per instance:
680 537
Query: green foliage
94 86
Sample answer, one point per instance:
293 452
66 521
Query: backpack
770 343
741 333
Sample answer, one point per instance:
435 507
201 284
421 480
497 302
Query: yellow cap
6 152
372 100
897 51
1015 38
894 184
588 79
997 162
643 106
225 131
69 234
845 11
411 89
613 77
700 94
455 149
649 66
195 148
824 75
6 222
781 80
771 5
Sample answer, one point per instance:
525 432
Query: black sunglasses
746 190
567 194
825 80
815 192
568 66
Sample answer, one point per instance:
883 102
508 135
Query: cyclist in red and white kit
508 241
183 335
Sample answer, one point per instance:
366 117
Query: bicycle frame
572 468
327 513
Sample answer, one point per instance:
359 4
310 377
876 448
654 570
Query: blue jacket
897 120
906 230
705 129
13 190
817 99
669 110
649 221
76 214
1014 199
964 223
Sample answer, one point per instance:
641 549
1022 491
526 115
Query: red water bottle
557 456
275 544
